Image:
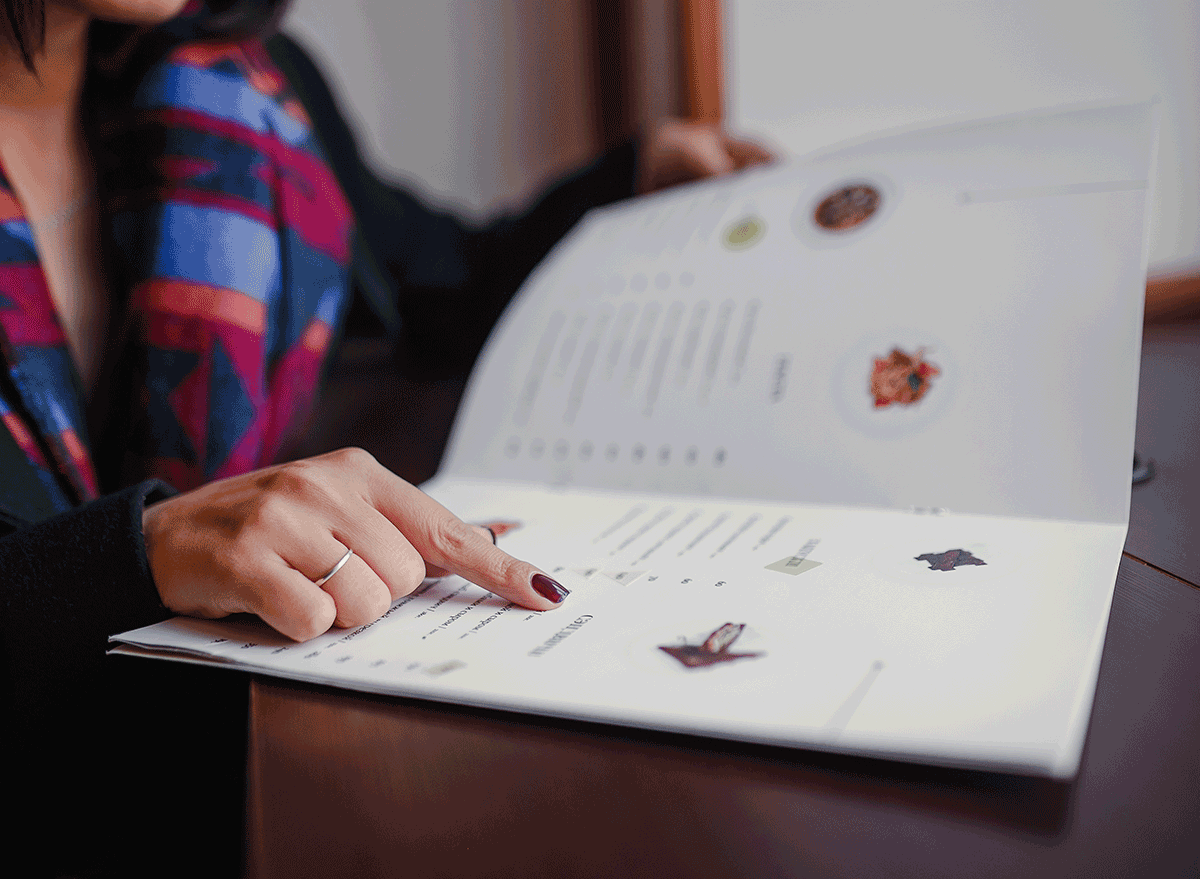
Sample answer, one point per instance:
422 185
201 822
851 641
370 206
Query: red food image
901 378
949 560
848 207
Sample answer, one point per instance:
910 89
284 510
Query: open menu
832 454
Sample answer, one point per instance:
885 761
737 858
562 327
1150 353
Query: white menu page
833 454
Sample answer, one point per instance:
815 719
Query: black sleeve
455 279
434 280
70 582
117 765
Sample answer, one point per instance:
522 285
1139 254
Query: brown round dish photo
847 207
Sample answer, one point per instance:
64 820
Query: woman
174 263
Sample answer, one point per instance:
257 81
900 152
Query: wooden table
351 785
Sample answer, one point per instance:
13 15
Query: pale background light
476 102
808 73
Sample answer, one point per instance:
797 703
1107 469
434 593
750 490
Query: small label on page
793 565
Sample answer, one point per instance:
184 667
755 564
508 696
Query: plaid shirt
233 258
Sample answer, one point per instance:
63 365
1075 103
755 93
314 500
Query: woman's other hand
257 543
676 151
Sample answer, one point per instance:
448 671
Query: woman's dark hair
24 26
24 22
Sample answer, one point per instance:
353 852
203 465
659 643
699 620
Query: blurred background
478 103
481 102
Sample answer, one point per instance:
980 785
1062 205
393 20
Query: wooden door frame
701 54
694 55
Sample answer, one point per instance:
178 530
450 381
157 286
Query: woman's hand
256 543
676 151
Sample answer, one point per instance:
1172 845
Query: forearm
511 246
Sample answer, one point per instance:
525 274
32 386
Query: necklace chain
65 214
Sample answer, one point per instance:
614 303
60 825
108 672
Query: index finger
449 543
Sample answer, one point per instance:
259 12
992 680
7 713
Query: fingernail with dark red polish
549 589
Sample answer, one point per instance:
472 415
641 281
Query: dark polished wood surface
1164 514
354 785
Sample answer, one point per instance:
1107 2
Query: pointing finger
434 571
449 544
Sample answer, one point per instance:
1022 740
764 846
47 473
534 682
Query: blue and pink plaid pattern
236 259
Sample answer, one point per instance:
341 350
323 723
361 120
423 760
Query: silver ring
320 581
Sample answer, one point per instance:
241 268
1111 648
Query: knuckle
410 572
269 515
270 598
354 458
498 568
305 481
266 594
450 538
380 601
511 570
314 620
366 607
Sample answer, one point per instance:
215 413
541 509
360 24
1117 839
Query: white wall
479 102
808 73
